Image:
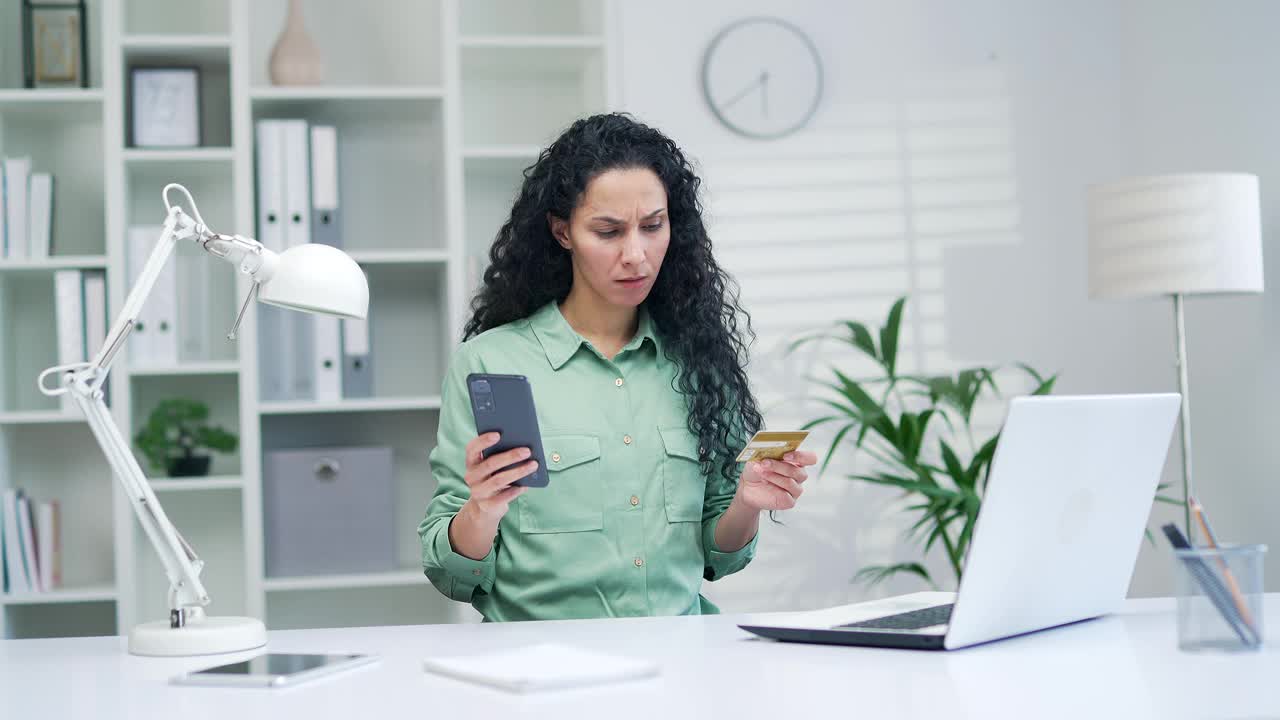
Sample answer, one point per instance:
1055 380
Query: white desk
1121 666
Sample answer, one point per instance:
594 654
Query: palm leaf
860 337
876 574
831 452
889 338
982 460
972 506
820 421
906 484
873 414
796 344
954 468
1044 385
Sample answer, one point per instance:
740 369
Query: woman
603 291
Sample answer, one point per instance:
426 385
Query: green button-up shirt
626 526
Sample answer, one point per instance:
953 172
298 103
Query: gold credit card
771 445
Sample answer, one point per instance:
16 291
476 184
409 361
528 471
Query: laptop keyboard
913 620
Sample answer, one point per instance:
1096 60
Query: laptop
1062 520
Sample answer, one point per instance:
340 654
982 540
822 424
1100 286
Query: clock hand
764 93
742 93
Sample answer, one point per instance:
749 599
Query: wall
948 161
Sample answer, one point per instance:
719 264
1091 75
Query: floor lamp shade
1175 234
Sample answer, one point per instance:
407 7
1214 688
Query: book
546 666
27 539
15 577
17 172
49 544
40 215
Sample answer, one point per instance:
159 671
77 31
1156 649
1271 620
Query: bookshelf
439 105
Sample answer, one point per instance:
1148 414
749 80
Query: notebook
541 667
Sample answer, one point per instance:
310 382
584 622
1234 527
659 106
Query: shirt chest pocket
682 480
573 499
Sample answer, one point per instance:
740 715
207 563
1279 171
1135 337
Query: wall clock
762 77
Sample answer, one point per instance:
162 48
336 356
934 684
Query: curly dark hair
693 304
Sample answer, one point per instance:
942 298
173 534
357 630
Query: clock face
762 77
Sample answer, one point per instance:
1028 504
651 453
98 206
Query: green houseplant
919 430
916 428
176 432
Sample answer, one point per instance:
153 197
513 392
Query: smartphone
274 670
504 404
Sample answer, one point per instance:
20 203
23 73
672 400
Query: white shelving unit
439 106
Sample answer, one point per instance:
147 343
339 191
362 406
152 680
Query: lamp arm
83 381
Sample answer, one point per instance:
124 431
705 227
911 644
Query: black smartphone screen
504 404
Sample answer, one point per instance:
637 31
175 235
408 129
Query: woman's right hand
491 490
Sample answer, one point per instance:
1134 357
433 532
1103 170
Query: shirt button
618 382
626 439
476 571
634 501
555 457
639 562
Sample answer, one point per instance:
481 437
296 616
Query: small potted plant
175 434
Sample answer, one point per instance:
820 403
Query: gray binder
357 373
329 510
324 186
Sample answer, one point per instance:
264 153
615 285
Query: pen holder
1220 598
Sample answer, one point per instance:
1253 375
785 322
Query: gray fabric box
329 510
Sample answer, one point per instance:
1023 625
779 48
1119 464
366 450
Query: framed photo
54 37
164 103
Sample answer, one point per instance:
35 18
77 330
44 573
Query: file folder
154 339
324 186
300 327
328 358
69 324
274 344
357 373
194 303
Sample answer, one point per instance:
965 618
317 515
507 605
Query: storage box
329 510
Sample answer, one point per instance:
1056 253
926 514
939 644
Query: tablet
274 670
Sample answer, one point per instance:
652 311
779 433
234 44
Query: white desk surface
1121 666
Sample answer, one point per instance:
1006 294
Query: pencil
1236 595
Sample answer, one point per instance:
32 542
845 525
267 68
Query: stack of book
26 210
31 538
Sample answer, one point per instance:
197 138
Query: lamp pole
1185 425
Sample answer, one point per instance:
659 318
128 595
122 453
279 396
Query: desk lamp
1176 235
311 278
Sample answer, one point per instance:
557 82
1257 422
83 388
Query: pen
1207 580
1236 595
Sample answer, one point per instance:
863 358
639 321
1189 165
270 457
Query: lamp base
206 636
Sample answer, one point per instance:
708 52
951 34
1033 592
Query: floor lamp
309 277
1173 236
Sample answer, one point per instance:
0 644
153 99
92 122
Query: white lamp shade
1175 234
318 279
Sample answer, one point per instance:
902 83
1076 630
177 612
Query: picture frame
55 44
164 106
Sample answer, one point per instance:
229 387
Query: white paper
542 667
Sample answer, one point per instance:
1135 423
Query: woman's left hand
775 484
